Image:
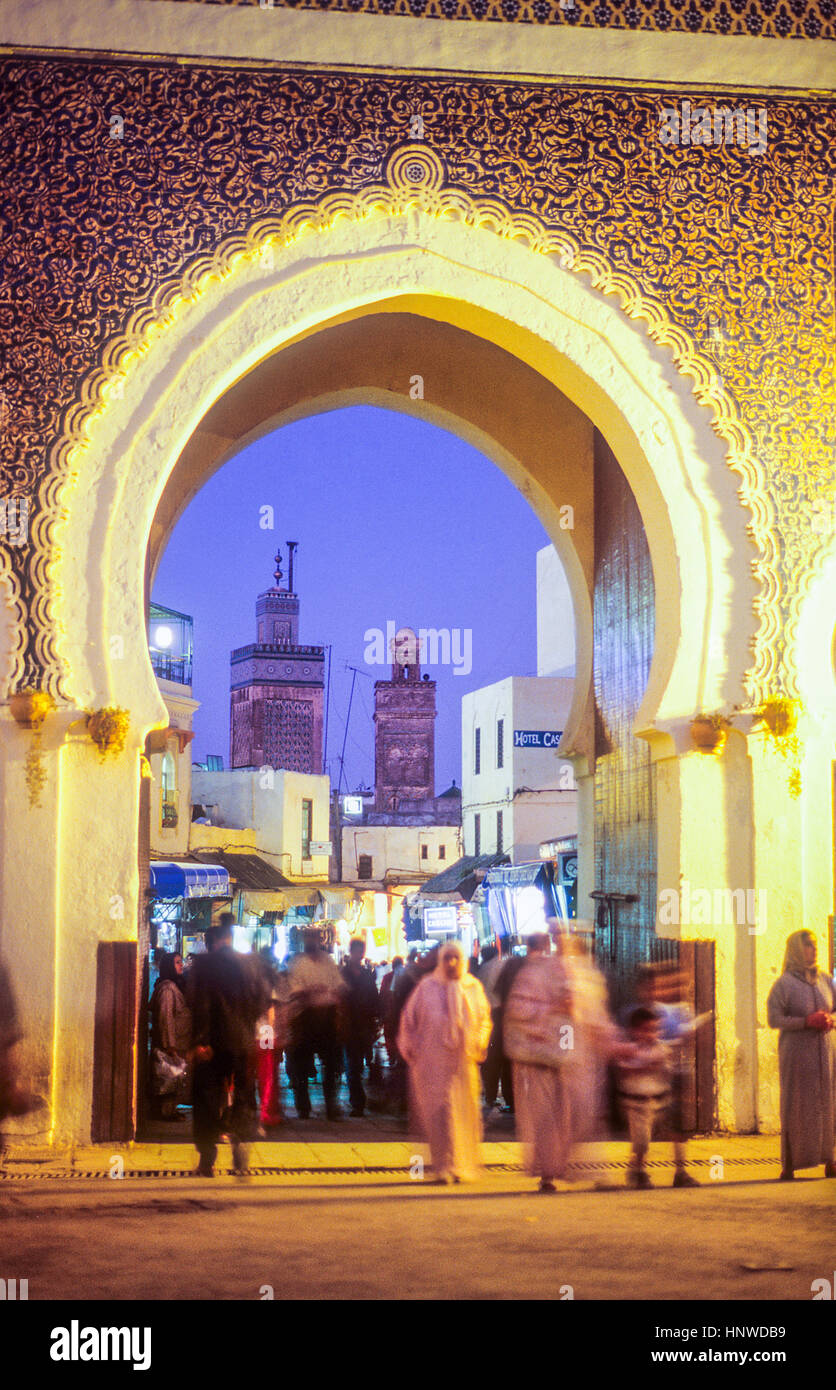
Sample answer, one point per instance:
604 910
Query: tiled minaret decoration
276 686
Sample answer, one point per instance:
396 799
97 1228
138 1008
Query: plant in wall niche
108 727
779 716
708 732
30 708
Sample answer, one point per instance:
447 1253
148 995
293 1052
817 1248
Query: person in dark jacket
416 968
361 1013
386 986
171 1030
496 1067
227 996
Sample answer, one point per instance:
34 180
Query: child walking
645 1084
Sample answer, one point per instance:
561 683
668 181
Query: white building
170 759
287 812
516 790
377 851
555 620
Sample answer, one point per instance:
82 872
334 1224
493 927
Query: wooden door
114 1037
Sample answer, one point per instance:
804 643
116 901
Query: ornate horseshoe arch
415 203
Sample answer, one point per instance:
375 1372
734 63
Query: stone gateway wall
121 178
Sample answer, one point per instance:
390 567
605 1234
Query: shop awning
460 881
281 900
172 880
336 898
517 876
509 912
247 870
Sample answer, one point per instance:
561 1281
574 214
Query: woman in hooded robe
171 1031
443 1037
801 1004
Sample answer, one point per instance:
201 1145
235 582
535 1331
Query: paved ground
358 1235
324 1220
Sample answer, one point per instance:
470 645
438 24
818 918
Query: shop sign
440 921
537 738
320 846
568 867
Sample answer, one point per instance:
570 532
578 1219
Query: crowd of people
534 1028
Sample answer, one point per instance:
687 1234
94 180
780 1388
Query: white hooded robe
444 1032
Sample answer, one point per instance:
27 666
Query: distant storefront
522 898
183 899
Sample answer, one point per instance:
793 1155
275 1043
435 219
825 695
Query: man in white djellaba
443 1037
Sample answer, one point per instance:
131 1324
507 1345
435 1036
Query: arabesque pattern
127 182
779 19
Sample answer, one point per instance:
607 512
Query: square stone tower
276 687
404 718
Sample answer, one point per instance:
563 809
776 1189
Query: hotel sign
440 921
537 738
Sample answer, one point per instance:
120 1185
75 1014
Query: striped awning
172 880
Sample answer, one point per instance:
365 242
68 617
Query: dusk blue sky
395 519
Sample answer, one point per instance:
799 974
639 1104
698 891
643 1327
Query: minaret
404 738
277 609
277 686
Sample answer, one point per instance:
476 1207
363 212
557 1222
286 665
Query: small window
499 832
364 866
477 753
425 851
477 834
442 851
500 751
307 828
168 793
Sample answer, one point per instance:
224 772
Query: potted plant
708 732
778 715
108 727
30 708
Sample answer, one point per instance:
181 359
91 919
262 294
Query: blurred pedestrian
361 1020
659 989
801 1005
644 1071
271 1038
496 1069
595 1036
171 1035
227 996
416 968
316 991
538 1037
389 1037
443 1036
15 1099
